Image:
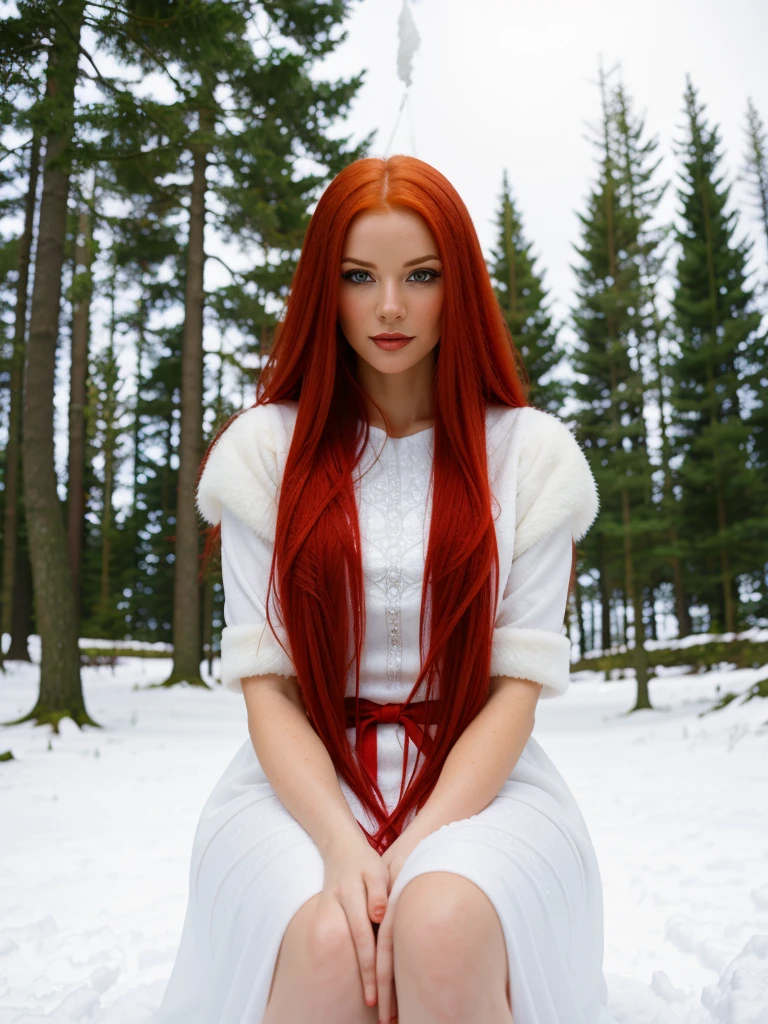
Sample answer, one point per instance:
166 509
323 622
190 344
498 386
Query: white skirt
253 866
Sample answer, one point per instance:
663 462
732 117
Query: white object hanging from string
408 43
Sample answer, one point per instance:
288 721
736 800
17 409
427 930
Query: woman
391 838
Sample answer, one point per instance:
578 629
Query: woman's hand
398 853
394 857
358 879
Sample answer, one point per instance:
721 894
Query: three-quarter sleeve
528 638
248 645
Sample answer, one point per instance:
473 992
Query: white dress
253 865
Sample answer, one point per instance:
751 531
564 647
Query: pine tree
521 294
756 175
609 386
720 351
107 444
253 110
14 551
245 137
637 168
151 603
756 166
60 686
81 290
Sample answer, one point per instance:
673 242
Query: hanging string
410 124
397 122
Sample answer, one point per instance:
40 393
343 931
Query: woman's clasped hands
361 880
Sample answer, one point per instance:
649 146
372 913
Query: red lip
392 337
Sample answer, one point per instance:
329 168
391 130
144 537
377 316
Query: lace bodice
392 490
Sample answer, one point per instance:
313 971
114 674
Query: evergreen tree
81 290
637 168
60 686
146 269
252 112
756 175
108 438
521 294
721 353
151 604
756 166
242 144
609 386
15 553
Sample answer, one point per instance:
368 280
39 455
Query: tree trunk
109 414
684 624
578 596
605 599
654 629
106 520
635 596
165 485
208 623
726 574
16 398
61 691
21 619
78 377
136 428
593 633
186 590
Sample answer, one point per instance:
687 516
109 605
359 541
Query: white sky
502 84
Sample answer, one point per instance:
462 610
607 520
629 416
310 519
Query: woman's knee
331 954
442 915
447 932
448 946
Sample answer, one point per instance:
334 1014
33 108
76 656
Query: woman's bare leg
317 977
450 955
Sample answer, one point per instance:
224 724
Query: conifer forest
142 140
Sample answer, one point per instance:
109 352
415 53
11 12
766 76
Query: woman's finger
356 909
385 966
377 895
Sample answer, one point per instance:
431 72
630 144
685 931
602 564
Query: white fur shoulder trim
554 480
242 471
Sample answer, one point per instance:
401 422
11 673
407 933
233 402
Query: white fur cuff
251 650
536 654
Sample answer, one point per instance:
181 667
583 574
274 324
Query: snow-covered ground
97 827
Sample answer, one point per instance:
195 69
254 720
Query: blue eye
350 276
431 275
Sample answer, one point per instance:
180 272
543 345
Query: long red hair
316 568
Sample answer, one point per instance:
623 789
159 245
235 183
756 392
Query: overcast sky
509 84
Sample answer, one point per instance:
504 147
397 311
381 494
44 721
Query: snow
97 829
756 634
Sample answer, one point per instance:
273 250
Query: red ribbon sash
413 717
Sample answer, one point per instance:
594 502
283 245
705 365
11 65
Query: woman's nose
390 302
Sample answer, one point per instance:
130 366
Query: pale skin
441 944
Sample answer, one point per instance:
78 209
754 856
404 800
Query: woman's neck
405 399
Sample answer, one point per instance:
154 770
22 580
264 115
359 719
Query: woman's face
391 283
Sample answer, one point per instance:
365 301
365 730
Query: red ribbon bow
413 717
